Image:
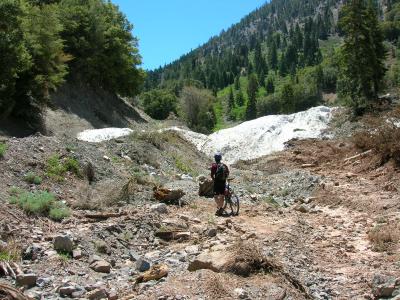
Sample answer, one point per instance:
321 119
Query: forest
44 43
288 56
284 57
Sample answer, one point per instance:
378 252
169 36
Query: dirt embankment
76 107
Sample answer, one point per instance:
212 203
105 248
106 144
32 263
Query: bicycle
231 199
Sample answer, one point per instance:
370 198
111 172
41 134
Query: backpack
221 173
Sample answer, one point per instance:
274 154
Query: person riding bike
219 174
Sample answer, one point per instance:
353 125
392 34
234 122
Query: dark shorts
219 187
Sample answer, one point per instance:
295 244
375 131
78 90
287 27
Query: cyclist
219 174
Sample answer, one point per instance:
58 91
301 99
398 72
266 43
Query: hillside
318 220
284 57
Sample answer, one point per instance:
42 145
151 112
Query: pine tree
239 98
237 83
270 87
273 57
251 109
231 100
361 55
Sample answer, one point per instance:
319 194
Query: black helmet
218 156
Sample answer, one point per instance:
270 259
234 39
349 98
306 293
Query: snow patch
105 134
261 136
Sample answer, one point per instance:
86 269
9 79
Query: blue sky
169 28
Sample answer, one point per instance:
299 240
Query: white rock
105 134
261 136
160 208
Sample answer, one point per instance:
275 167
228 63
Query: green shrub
32 178
72 165
15 191
3 149
56 168
41 203
59 212
184 166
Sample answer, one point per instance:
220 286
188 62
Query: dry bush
215 287
247 258
382 136
384 236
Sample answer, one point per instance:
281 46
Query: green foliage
197 109
59 211
361 56
14 55
183 166
391 25
41 203
159 103
32 178
56 168
99 38
72 165
252 88
41 42
3 149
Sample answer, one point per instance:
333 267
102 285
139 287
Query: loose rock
160 208
28 280
63 243
101 266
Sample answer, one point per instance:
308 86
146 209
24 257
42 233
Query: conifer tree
239 98
270 87
361 55
251 109
231 100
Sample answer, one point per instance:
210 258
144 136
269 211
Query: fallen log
358 155
104 215
11 293
156 272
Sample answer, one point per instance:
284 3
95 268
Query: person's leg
220 201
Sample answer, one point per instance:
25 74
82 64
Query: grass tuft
3 149
32 178
41 203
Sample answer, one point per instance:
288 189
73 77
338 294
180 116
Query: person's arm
213 170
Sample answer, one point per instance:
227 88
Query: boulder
160 208
28 280
94 258
71 290
3 245
302 208
212 232
97 294
101 266
384 286
214 261
206 187
168 195
77 254
63 243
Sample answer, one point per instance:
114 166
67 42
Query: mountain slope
274 25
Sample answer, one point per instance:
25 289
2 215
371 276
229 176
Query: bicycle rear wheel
232 203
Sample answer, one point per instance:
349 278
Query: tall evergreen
273 57
239 98
231 100
362 54
251 109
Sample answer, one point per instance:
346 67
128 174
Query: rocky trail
313 223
